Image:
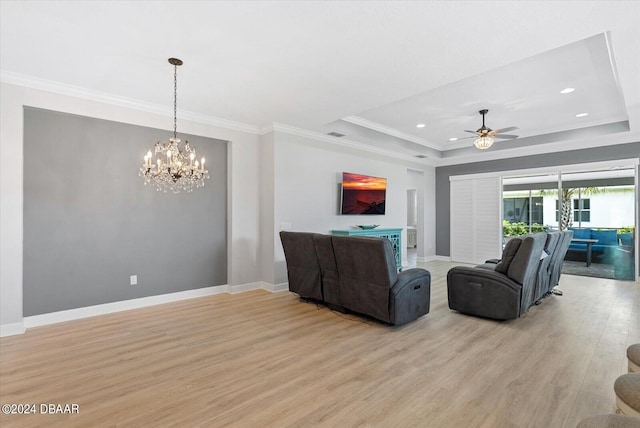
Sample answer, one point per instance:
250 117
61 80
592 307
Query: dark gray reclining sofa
506 288
355 274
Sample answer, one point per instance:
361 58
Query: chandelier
483 142
175 167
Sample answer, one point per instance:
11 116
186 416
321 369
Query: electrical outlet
133 280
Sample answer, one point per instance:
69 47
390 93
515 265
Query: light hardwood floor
258 359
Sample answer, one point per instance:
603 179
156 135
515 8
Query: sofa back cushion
525 263
510 250
524 267
605 237
303 270
584 233
545 268
558 257
367 270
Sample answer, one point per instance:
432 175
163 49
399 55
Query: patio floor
595 270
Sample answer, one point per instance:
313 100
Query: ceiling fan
485 136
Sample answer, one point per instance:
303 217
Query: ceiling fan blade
510 128
505 136
466 138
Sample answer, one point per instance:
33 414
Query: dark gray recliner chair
371 285
499 291
543 280
557 262
328 271
303 269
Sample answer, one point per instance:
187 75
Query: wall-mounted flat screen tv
363 194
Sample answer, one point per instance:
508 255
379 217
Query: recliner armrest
483 292
410 296
485 275
407 277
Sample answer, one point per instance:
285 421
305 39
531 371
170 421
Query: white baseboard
108 308
259 285
12 329
276 288
125 305
442 258
235 289
427 259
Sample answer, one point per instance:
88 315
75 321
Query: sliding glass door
526 207
598 205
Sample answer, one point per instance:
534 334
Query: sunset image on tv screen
362 194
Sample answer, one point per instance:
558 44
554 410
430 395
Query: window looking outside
581 210
523 209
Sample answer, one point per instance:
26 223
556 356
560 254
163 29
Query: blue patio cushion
605 237
581 233
626 239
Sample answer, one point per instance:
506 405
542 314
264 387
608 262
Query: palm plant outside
566 212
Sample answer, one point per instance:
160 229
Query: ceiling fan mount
485 131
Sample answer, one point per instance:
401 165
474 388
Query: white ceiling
371 70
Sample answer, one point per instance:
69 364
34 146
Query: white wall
412 205
307 175
429 205
266 154
243 217
424 183
243 220
609 209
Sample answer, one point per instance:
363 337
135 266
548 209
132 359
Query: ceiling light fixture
483 143
176 167
453 139
582 114
420 125
567 90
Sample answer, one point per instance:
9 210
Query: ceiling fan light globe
483 142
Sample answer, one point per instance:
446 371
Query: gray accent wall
90 223
598 154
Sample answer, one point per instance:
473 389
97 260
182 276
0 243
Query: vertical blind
475 219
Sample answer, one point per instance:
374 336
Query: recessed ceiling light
453 139
582 114
567 90
420 125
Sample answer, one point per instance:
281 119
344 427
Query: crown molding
103 97
291 130
267 129
355 120
82 93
